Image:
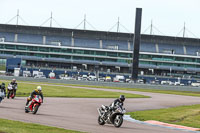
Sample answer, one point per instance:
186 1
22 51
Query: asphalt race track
81 113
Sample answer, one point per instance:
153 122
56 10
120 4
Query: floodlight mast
136 46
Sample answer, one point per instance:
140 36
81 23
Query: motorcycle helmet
14 80
39 88
3 85
122 98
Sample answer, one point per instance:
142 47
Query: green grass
185 93
24 89
183 115
8 126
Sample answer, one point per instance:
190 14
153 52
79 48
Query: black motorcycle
111 116
11 91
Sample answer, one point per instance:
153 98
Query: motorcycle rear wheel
26 111
118 120
100 121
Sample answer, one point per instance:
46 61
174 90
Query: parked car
108 79
92 78
102 79
196 84
40 77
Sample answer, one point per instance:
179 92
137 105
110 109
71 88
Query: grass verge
8 126
24 89
183 115
185 93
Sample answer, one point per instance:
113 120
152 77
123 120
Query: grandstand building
90 50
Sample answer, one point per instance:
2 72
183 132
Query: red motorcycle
34 105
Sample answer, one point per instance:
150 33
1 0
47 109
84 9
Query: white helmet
39 88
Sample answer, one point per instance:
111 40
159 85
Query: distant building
90 50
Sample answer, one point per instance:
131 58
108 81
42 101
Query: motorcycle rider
3 88
14 84
37 91
118 101
2 91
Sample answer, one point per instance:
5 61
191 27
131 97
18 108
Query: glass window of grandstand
144 56
32 48
64 50
88 58
10 46
78 51
190 66
99 59
88 52
179 59
8 52
112 54
54 50
1 45
66 57
19 53
157 57
110 60
167 58
166 64
190 59
42 55
21 47
144 62
44 49
77 58
123 61
100 53
198 61
125 55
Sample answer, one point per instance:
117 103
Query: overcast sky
168 16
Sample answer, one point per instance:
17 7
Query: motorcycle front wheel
100 121
118 120
8 95
35 109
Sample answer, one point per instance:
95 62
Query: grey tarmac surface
81 113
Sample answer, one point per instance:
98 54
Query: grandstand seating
120 45
147 47
30 38
9 37
169 49
89 43
192 50
64 40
